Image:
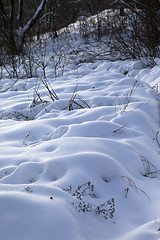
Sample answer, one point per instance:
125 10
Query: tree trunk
13 30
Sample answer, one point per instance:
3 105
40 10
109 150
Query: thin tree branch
32 21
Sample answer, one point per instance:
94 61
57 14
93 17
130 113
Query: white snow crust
110 148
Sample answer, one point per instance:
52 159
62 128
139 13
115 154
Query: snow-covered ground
91 173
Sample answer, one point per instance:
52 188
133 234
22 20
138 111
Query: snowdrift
91 173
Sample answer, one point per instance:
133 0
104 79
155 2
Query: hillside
79 142
88 173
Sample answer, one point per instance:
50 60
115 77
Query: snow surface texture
91 173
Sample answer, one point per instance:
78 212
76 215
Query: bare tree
14 26
137 31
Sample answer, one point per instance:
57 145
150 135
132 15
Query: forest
134 25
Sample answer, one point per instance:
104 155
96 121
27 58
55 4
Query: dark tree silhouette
14 27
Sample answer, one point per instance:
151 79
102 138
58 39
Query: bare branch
32 21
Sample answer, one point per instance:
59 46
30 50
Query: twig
157 138
76 96
132 184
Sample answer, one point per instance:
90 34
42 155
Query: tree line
139 21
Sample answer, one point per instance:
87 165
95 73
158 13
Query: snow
57 166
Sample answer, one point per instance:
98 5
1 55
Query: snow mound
85 166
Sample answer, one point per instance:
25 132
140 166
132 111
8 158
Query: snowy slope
92 173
